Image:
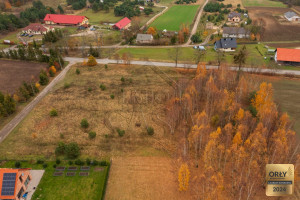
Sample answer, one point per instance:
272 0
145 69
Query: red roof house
65 19
37 28
124 23
287 55
13 183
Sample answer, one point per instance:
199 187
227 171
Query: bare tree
220 57
199 55
174 54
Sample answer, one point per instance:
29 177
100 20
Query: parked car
22 34
30 36
25 35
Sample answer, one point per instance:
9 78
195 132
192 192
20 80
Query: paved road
17 119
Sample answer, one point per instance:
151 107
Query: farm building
144 38
13 183
225 44
234 17
291 16
37 29
67 20
124 23
287 56
235 32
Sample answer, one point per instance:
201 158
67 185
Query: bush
196 38
54 166
103 87
112 96
121 132
53 112
92 135
122 90
123 79
105 66
89 89
44 80
84 123
91 61
67 85
58 161
17 164
39 162
79 162
70 162
72 150
77 71
103 163
150 130
60 149
51 73
95 162
88 161
45 165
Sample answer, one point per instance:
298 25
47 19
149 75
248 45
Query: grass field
66 188
79 96
187 54
263 3
175 17
287 94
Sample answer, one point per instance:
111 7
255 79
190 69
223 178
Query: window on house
27 181
20 178
20 193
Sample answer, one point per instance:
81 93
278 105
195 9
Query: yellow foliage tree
91 61
37 85
252 36
183 177
7 5
34 135
151 30
53 69
237 139
16 98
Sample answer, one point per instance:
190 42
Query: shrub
67 85
95 163
43 78
91 61
112 96
54 166
17 164
150 130
70 162
122 90
105 66
45 165
58 161
39 162
121 132
72 150
122 79
89 89
88 161
103 163
53 112
79 162
84 123
92 135
102 87
77 71
60 149
51 73
196 38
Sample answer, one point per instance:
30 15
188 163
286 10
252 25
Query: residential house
291 16
226 44
235 32
144 38
13 183
234 17
287 56
37 29
209 25
123 24
66 20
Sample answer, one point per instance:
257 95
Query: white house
291 16
37 29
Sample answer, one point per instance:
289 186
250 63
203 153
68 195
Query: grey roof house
234 17
226 44
235 32
144 38
291 16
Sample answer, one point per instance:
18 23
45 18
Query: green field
66 188
175 17
263 3
187 54
101 16
287 94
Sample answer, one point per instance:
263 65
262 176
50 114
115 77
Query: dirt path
16 120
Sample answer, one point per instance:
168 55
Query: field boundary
106 179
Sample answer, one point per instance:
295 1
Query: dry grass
146 178
234 3
103 113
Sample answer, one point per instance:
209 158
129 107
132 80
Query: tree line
77 4
37 12
228 128
128 8
11 22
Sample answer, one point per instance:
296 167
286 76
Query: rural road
72 60
19 117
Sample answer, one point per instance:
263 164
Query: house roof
8 181
291 55
226 43
235 30
64 19
234 14
36 27
122 23
143 37
290 14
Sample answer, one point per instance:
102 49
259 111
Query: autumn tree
136 24
152 30
91 61
174 54
183 177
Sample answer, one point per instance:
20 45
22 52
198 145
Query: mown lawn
175 17
263 3
187 54
67 188
101 16
287 94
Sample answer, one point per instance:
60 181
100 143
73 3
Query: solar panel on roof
8 184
